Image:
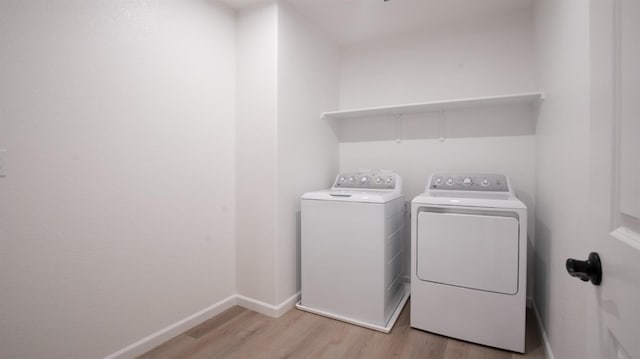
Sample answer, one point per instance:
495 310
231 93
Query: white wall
484 57
307 147
562 174
256 133
287 75
117 217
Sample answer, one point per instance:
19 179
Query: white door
615 176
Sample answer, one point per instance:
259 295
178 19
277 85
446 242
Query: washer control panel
470 182
366 180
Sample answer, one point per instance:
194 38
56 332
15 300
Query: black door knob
591 269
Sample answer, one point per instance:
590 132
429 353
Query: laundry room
156 156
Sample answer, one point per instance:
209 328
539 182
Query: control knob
484 182
467 181
450 181
364 179
388 180
438 180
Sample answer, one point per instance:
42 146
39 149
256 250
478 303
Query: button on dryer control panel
475 182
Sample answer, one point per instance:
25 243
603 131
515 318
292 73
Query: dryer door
475 250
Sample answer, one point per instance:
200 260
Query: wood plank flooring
241 333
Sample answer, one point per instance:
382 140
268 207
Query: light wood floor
241 333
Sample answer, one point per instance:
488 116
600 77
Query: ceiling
352 21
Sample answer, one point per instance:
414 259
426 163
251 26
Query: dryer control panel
367 180
470 182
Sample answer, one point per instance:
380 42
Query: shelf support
442 121
398 128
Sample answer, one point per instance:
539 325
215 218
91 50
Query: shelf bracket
398 128
442 121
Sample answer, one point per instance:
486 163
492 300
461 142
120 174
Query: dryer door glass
473 251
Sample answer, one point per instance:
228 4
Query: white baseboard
145 344
274 311
543 333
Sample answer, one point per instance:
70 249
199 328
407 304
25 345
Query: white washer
468 260
351 250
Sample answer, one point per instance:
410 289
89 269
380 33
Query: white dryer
468 260
351 250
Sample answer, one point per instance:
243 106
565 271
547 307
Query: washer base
384 329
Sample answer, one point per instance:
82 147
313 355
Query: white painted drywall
485 57
287 75
117 217
562 150
256 135
308 66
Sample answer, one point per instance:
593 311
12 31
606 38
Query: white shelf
437 106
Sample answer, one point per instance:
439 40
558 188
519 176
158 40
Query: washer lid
368 196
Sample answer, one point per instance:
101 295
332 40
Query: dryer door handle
591 269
